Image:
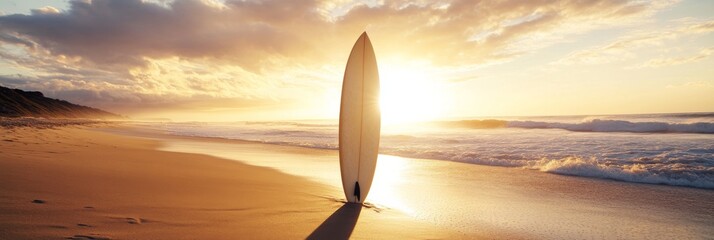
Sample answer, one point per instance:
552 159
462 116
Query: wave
288 123
668 174
664 172
638 171
594 125
599 125
672 159
477 124
655 171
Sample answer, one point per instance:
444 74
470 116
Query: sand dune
19 103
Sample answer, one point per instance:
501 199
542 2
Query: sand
129 182
496 202
80 183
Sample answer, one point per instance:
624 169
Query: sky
210 60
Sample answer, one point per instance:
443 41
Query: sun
409 94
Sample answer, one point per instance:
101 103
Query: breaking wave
671 159
668 174
599 125
676 169
595 125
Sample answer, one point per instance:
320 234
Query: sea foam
596 147
702 177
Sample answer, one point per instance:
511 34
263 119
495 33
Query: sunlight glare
391 181
409 94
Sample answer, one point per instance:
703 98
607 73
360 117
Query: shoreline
449 187
415 198
571 162
90 183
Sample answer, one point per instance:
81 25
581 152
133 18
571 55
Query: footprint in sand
88 237
83 225
132 220
39 201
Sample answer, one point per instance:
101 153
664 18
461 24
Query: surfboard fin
357 193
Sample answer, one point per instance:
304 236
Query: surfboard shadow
340 224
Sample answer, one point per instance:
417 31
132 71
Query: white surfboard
360 121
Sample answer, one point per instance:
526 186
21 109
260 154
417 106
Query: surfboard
360 121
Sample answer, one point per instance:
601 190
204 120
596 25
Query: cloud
471 33
8 38
123 99
625 47
46 10
12 80
693 84
703 54
133 51
125 32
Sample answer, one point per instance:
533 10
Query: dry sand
79 183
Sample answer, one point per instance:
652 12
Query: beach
359 119
88 184
125 181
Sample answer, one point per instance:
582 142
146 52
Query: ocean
671 149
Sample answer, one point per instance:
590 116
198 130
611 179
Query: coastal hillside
19 103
